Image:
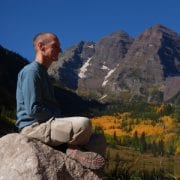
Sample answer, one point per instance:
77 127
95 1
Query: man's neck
42 61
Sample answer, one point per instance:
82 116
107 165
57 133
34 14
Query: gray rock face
109 52
23 158
146 66
84 67
169 92
66 70
119 68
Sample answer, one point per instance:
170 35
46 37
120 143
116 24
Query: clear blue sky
76 20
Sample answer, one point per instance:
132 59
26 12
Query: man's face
52 49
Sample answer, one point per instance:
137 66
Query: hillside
155 122
143 140
10 65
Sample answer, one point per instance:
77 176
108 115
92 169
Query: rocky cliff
153 57
119 67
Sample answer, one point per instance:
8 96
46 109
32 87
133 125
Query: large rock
26 158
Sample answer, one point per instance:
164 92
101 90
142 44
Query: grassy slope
135 161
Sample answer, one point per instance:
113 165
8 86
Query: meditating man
38 115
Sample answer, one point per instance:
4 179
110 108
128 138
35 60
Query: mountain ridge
122 68
115 68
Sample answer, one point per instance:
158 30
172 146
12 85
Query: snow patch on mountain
107 76
101 98
91 46
104 67
84 68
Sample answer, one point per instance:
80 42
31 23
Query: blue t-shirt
34 96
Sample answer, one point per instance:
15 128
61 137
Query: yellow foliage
169 136
147 122
167 120
161 108
178 150
106 122
119 132
147 129
110 124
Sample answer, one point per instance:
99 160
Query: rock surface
25 158
153 57
120 68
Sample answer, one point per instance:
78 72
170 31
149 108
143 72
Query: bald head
47 47
44 38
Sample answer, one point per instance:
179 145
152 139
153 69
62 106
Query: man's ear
40 46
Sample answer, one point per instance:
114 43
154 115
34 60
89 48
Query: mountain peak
119 33
163 29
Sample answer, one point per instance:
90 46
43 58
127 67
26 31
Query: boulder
22 158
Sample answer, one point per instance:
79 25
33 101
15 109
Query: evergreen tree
171 149
161 147
115 137
177 115
108 157
135 141
154 148
142 143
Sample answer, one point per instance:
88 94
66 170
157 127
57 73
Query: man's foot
89 160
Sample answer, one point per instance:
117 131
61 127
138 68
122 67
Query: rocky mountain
66 70
120 68
83 67
109 52
152 60
116 68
